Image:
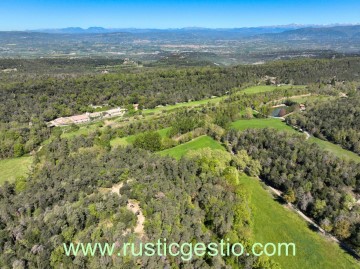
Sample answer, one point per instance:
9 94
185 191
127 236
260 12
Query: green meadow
198 143
276 224
269 88
242 125
335 149
187 104
304 99
84 129
10 169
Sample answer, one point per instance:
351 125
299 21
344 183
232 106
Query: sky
49 14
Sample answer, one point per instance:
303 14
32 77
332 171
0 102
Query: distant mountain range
288 30
195 35
100 30
335 32
213 45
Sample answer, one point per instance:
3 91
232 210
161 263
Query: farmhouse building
80 118
115 112
87 117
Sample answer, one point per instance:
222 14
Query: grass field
304 99
10 169
84 129
266 88
124 141
242 125
198 143
188 104
275 223
335 149
250 90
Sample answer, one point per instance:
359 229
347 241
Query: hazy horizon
294 25
20 15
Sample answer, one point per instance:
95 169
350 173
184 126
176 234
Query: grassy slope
250 90
265 88
336 149
274 223
84 129
188 104
261 123
312 98
122 141
198 143
10 169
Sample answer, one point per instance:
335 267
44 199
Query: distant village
88 117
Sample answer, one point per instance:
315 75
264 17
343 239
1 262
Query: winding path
134 207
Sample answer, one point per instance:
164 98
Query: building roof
62 120
115 110
79 117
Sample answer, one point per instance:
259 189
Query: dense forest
320 184
337 121
71 180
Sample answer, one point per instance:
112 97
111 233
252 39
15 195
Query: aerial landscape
179 134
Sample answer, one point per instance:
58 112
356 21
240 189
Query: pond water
275 112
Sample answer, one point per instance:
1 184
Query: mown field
305 99
335 149
188 104
275 223
269 88
250 90
198 143
242 125
84 129
10 169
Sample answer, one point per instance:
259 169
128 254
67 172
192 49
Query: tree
326 225
289 196
248 113
342 228
231 175
20 184
150 141
319 206
18 150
